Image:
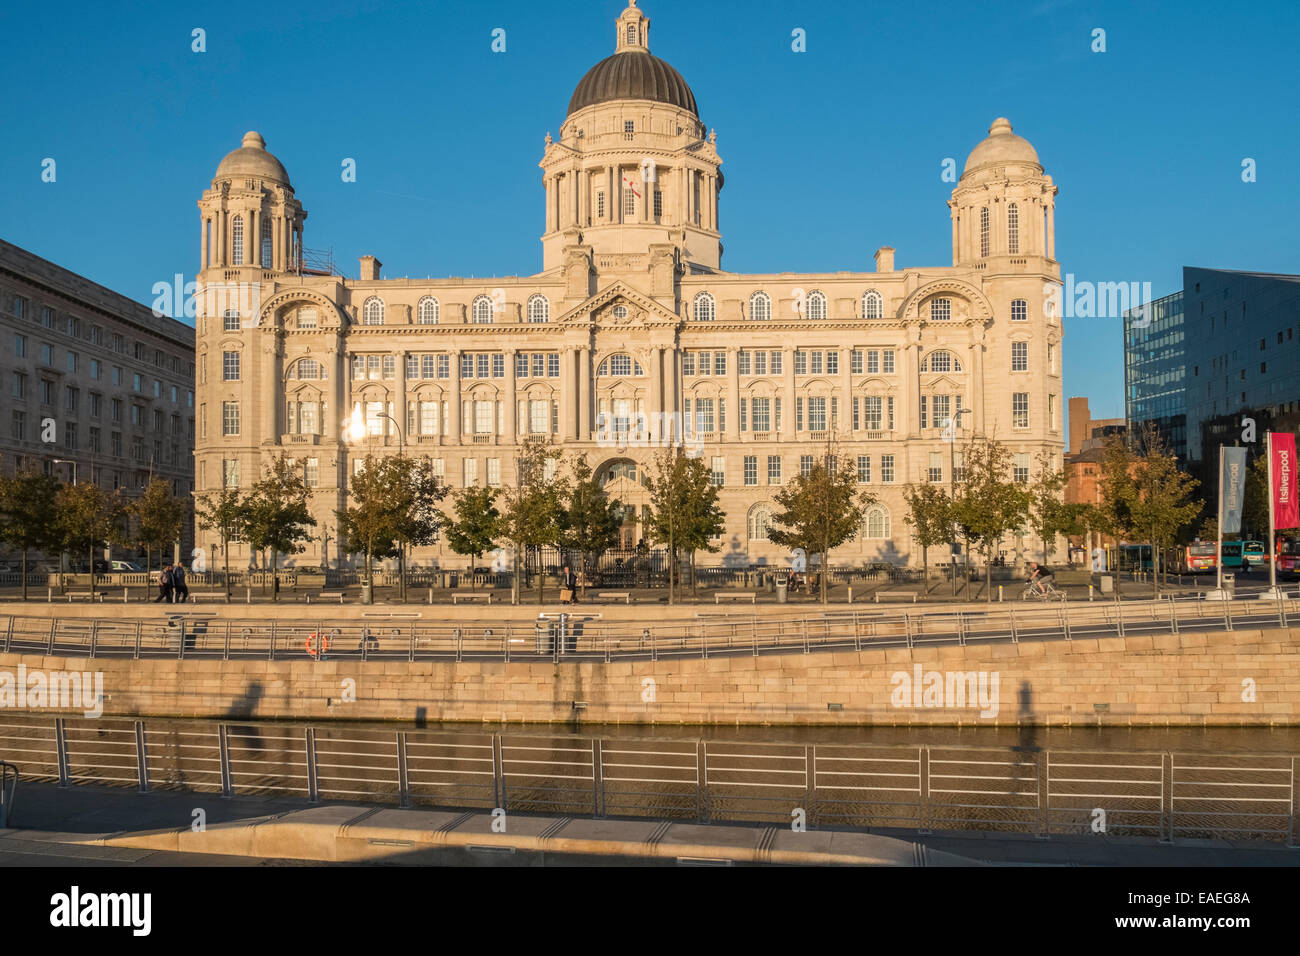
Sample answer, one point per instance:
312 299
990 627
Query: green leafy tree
929 514
27 514
278 518
88 517
990 504
1049 515
369 523
159 518
416 494
1164 503
684 513
591 521
821 510
473 524
222 511
1116 491
1254 505
532 509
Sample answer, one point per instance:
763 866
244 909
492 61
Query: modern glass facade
1155 370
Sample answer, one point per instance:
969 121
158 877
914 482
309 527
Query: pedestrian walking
569 590
1245 565
178 583
164 585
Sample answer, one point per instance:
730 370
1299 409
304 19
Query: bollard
1089 592
49 595
999 594
248 594
430 595
850 595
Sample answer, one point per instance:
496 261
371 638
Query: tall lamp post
951 435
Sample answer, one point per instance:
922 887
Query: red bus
1192 558
1288 556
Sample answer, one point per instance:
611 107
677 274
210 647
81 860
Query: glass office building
1155 370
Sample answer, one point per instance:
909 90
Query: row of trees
1143 496
39 513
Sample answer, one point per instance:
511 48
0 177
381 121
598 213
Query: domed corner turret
1004 202
253 160
249 214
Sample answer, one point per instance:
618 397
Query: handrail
8 772
588 636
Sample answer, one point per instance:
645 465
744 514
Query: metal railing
583 635
1041 792
8 791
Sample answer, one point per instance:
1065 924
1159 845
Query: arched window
631 33
941 361
704 310
816 305
940 310
266 244
760 523
873 306
481 311
984 232
539 309
1013 229
237 241
760 307
372 313
619 366
877 524
426 313
307 369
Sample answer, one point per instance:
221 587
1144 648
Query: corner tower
632 167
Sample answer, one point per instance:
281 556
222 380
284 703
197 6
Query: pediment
619 306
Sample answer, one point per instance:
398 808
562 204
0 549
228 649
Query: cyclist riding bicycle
1041 577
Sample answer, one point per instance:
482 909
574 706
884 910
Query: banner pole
1218 547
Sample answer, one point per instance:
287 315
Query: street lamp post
953 423
355 431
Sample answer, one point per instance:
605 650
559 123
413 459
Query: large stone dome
633 74
252 160
1002 147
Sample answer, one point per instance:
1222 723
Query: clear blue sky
828 154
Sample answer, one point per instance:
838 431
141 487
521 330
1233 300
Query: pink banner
1286 510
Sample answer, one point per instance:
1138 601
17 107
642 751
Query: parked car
80 567
130 566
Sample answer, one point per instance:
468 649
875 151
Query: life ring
317 637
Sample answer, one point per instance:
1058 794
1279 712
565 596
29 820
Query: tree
684 512
473 525
277 513
222 511
590 522
1163 504
990 505
27 514
821 510
1116 491
1254 504
415 496
369 524
159 518
1048 513
930 517
531 514
88 517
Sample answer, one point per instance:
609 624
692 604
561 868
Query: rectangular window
95 440
230 321
412 366
470 470
722 414
773 469
935 473
942 410
427 369
466 365
600 205
483 415
18 426
857 422
521 365
776 414
751 469
499 365
744 414
19 388
72 361
1020 356
864 469
798 413
719 363
688 363
760 363
71 397
1051 357
833 362
47 354
855 362
20 346
805 465
704 415
494 472
230 472
762 414
958 467
743 363
925 420
553 365
1019 310
815 366
444 366
1020 468
539 417
482 363
70 437
229 368
718 470
800 362
887 362
887 468
817 414
390 367
774 360
115 444
230 418
311 472
1020 410
629 201
1051 412
873 362
890 406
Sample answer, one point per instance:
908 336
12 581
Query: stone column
787 396
271 394
584 394
656 391
846 390
569 395
255 227
203 243
909 414
955 253
277 242
977 389
512 423
399 405
733 397
218 238
331 425
453 402
1051 231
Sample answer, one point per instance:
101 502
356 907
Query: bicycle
1049 591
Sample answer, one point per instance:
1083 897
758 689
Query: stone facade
114 380
632 331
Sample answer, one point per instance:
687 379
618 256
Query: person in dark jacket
182 590
164 585
570 585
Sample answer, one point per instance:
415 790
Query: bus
1256 554
1288 556
1133 557
1192 558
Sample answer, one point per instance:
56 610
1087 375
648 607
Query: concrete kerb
351 834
